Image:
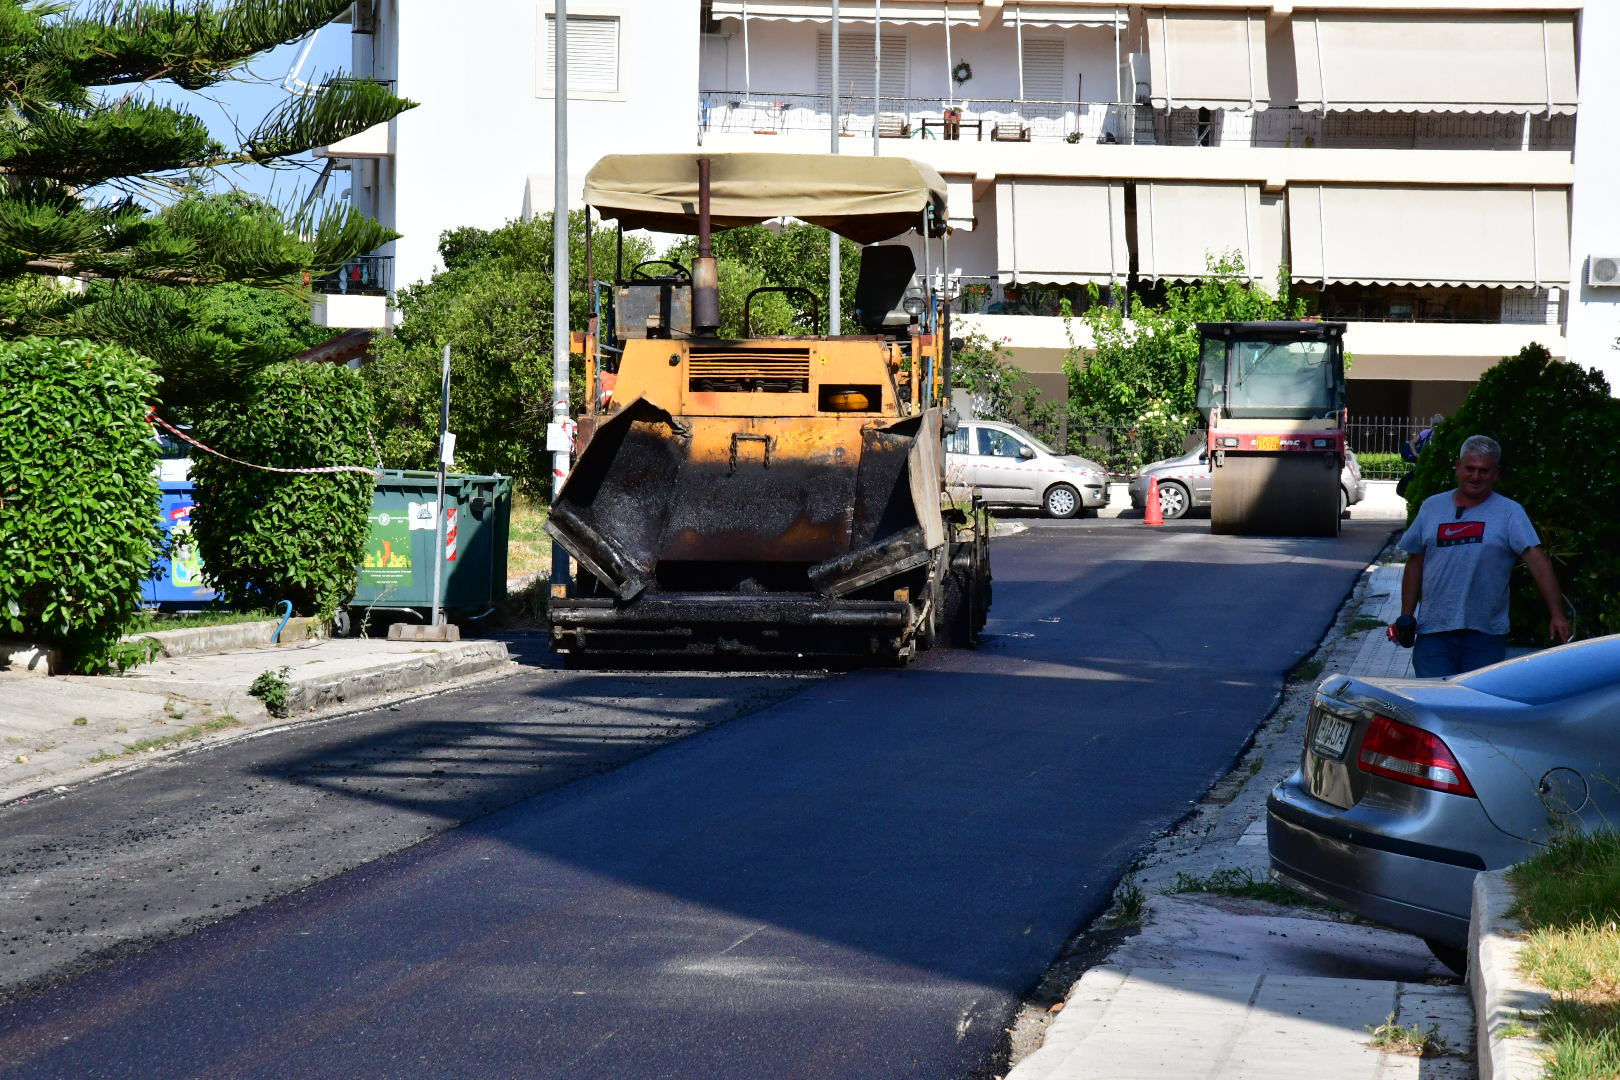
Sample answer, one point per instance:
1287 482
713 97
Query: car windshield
1552 676
1033 441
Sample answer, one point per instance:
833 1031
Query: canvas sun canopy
1180 224
1387 61
1512 237
865 199
923 12
1060 232
1207 59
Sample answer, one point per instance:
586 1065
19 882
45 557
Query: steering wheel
636 273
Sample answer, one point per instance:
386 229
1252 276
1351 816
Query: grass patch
1365 622
1568 900
195 731
528 545
152 621
1235 881
1414 1039
1130 904
1307 669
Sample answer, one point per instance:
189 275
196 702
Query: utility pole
835 318
557 440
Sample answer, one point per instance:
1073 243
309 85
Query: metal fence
1377 441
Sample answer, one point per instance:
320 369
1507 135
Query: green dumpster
396 572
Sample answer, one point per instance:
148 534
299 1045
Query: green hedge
264 536
78 494
1558 426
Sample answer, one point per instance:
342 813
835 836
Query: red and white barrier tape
153 417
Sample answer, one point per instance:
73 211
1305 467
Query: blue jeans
1452 652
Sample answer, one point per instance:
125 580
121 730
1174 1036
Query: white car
1008 466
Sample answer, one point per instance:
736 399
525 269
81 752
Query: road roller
1271 395
765 495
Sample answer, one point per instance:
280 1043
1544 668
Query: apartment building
1438 174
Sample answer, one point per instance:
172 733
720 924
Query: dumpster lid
865 199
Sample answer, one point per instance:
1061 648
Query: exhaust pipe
705 274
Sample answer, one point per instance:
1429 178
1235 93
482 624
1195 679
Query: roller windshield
1280 374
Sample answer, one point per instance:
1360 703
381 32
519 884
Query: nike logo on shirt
1452 533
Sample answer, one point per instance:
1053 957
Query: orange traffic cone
1155 513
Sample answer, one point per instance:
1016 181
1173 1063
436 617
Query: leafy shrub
1000 389
266 536
1557 424
78 497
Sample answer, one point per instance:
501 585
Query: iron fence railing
1377 441
771 112
365 275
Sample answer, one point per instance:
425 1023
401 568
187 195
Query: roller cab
1271 395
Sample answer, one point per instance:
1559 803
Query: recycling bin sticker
387 559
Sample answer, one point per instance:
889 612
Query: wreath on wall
962 72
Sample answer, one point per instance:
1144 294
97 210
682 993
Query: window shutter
1043 69
593 54
856 56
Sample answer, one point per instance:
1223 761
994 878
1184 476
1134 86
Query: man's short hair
1484 446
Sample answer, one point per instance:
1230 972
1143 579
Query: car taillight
1411 755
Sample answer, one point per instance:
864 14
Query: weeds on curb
162 742
1412 1039
1366 622
1130 903
271 688
1236 881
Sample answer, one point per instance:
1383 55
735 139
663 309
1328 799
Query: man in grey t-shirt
1460 550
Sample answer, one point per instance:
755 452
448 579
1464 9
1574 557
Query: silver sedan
1409 787
1184 483
1008 466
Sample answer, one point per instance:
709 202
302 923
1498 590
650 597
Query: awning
921 12
959 203
1515 237
1040 15
1207 59
1180 224
1499 61
864 198
1060 232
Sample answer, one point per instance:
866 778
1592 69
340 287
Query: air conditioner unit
1603 271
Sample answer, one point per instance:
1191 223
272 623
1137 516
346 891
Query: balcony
355 296
736 112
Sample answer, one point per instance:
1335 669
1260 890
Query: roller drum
1290 494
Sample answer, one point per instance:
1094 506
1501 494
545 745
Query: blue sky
242 104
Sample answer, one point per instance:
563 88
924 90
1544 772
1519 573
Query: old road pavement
849 876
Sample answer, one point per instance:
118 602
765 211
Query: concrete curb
1501 995
420 670
200 640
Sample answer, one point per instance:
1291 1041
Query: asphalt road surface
859 879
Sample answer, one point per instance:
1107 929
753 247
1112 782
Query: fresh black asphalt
859 881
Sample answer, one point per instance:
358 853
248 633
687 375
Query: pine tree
105 184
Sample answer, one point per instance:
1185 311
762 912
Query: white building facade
1438 174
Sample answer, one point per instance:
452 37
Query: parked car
1010 467
1409 787
1184 483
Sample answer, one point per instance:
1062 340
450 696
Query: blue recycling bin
179 582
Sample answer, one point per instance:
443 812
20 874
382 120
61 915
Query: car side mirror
1203 456
1026 453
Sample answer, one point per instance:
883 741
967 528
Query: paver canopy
865 199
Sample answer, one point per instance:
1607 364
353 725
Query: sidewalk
67 729
1220 986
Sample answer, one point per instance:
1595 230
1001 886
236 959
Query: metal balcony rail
366 275
1027 120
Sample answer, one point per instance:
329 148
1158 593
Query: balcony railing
367 275
985 119
1023 120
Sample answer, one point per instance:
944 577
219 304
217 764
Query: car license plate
1268 442
1331 737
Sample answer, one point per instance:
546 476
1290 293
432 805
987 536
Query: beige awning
864 198
1499 61
1207 59
850 12
1180 224
1517 237
1038 15
1060 232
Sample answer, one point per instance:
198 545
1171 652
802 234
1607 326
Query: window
855 61
593 55
957 441
993 443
